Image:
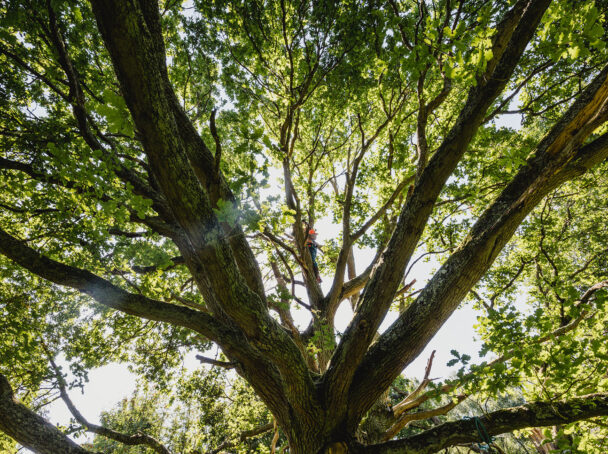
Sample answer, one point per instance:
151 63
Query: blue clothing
312 248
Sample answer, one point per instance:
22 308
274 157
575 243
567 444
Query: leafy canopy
323 113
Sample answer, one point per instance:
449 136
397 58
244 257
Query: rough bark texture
318 413
35 433
400 344
536 414
29 429
384 282
131 32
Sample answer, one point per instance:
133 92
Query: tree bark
404 340
29 429
536 414
319 414
380 290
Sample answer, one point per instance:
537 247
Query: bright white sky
110 384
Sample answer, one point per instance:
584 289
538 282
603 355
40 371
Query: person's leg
313 255
312 248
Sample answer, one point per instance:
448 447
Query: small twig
405 288
215 362
409 401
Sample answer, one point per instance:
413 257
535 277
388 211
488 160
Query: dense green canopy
161 166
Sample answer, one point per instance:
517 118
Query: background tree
137 140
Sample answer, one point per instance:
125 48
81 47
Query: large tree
138 141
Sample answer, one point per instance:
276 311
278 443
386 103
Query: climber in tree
311 243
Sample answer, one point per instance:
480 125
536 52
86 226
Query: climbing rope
486 440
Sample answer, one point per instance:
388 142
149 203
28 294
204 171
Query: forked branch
560 156
535 414
380 291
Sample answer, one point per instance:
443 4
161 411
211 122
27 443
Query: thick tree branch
129 440
536 414
548 168
210 176
104 291
267 382
224 272
380 290
152 103
30 430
